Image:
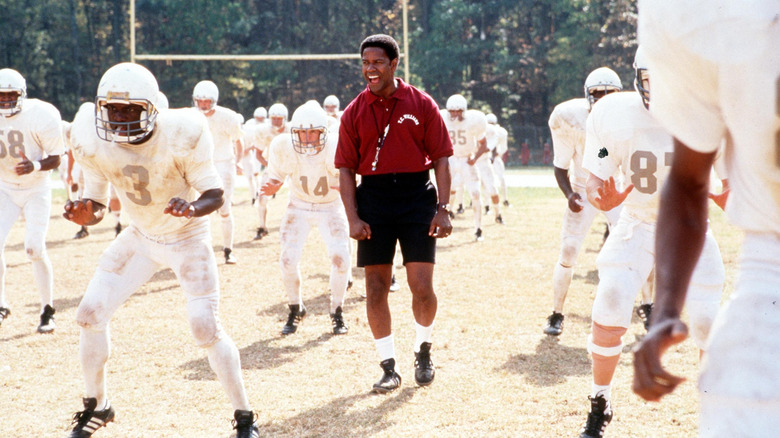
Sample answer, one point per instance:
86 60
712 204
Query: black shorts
399 207
416 244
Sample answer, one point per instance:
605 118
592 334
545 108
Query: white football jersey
313 178
35 133
502 143
174 163
263 134
715 71
465 133
567 126
225 126
624 139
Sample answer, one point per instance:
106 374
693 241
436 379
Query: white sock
385 347
605 390
423 335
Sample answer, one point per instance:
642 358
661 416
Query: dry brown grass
497 374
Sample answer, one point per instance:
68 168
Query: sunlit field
497 373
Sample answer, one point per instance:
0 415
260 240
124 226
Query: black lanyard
382 135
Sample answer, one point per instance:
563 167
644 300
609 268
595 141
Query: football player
160 164
30 147
498 146
278 114
715 71
622 136
225 127
307 156
249 163
567 125
467 133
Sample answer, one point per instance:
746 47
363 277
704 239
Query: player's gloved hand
179 208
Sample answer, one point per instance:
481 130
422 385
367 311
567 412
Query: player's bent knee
204 325
35 252
90 317
606 341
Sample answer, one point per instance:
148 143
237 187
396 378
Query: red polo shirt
415 139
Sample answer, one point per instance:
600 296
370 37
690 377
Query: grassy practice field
497 373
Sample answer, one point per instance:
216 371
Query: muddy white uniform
623 137
34 132
464 135
485 163
715 70
225 127
498 147
264 136
314 201
567 125
249 163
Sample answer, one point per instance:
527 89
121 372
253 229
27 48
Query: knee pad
606 341
202 315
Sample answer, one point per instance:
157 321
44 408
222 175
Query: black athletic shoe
487 209
499 220
297 313
230 259
460 209
254 200
554 324
394 286
118 228
83 232
89 420
644 311
478 235
339 328
599 416
424 372
47 320
4 312
349 284
506 203
244 424
261 232
390 380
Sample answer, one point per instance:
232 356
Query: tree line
515 58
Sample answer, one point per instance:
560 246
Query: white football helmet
492 119
126 83
642 78
205 90
331 104
457 102
307 121
12 81
162 101
601 82
278 110
260 113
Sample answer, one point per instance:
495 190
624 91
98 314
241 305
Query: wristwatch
445 207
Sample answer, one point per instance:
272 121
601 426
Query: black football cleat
424 372
82 233
554 324
390 380
599 416
230 259
297 313
337 319
261 232
244 424
89 420
4 312
47 324
645 311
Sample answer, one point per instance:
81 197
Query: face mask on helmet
456 105
278 114
309 130
601 82
331 104
641 76
205 96
13 90
125 106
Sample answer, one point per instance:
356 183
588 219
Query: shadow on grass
551 364
366 422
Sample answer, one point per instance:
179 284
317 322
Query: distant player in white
487 177
306 156
225 127
30 147
250 165
714 68
567 125
332 106
497 144
622 136
467 132
161 167
278 114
